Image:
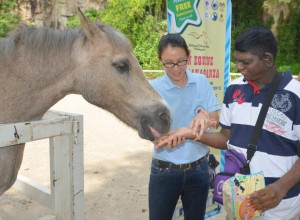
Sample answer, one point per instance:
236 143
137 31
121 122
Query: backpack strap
252 146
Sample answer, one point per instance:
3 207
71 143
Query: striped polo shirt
278 146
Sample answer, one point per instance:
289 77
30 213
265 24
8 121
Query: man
278 149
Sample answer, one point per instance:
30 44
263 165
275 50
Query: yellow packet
235 192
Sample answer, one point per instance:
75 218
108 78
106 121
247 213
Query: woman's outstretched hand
174 138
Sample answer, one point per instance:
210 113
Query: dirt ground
116 169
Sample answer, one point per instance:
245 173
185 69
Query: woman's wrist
188 134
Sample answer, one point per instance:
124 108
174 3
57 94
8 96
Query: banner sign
206 27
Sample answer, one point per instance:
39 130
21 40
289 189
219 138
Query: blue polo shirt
184 103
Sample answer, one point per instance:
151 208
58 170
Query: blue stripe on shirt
295 191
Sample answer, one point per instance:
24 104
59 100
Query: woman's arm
199 123
216 139
196 131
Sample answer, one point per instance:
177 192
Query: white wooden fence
65 197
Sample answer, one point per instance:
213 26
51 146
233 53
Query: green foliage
146 45
153 75
74 22
294 68
245 14
8 18
248 13
288 40
233 68
141 23
144 22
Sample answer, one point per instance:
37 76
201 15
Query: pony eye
122 67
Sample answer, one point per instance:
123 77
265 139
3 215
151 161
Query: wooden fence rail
65 197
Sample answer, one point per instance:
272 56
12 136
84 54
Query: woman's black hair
175 40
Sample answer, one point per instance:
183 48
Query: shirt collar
286 78
170 85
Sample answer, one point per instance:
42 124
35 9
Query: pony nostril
164 117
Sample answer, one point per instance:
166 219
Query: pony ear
90 29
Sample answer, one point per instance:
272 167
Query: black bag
213 164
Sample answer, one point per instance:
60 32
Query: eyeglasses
179 63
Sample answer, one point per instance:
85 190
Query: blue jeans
167 185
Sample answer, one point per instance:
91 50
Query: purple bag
234 163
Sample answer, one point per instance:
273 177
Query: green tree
288 38
9 18
143 22
244 14
251 13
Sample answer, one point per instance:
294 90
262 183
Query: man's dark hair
256 40
175 40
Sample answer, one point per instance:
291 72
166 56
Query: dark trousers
167 185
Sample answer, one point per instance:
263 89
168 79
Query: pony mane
45 42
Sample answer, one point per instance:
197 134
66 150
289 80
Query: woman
179 165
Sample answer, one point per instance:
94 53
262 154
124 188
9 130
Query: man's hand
267 198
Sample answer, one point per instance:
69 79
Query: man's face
250 66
